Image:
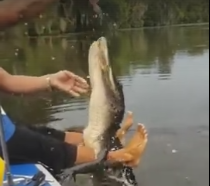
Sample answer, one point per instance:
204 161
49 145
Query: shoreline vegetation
64 35
167 26
77 17
120 30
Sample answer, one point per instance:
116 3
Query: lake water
165 73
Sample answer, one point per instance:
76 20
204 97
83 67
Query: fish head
100 70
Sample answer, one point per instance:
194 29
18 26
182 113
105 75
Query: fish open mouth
99 63
103 47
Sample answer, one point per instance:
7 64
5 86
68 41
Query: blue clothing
8 126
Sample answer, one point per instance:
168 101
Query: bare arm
64 80
15 11
22 84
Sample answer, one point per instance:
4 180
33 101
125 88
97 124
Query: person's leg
71 136
130 155
74 134
137 145
48 131
28 146
127 124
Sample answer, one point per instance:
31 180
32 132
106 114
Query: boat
22 174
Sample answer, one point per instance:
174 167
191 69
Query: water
165 73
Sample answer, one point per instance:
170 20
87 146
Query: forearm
15 11
22 84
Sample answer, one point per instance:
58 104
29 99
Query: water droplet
174 151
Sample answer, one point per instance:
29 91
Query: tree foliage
68 16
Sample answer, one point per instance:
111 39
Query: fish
106 112
107 104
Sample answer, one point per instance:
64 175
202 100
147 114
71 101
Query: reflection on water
165 73
148 52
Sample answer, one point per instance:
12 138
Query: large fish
106 112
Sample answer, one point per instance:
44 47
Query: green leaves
69 16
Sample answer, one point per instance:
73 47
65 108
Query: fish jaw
99 64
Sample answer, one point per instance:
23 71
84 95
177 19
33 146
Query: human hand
69 82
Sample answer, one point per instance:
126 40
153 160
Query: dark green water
165 73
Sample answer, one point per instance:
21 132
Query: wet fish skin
106 112
107 106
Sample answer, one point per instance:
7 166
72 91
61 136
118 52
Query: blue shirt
8 126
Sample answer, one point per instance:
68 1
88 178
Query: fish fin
87 168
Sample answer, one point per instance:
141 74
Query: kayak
2 167
25 172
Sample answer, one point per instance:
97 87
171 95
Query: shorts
41 145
